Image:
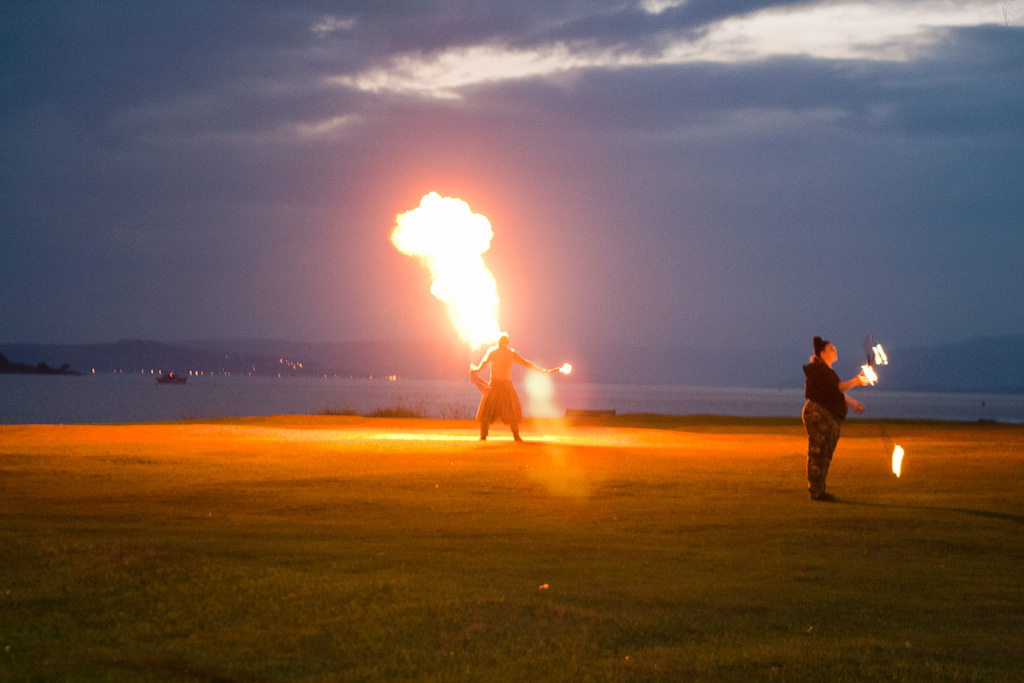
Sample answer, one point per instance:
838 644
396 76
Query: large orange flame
449 240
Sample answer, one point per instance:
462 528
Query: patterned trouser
822 436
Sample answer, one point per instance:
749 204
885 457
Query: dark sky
669 173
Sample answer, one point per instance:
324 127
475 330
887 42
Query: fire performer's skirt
500 404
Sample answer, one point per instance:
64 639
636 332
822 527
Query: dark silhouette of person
826 408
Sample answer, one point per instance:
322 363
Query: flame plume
449 240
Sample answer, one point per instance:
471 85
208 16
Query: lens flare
449 240
540 392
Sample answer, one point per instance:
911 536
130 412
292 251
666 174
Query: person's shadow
1019 519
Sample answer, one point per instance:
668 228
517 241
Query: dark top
822 386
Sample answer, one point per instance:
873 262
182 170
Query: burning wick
880 357
869 372
565 369
897 460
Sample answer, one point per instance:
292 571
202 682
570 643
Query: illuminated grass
396 411
317 549
421 410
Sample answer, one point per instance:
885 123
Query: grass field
332 548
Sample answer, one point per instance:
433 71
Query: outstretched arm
533 366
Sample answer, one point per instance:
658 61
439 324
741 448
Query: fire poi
876 356
897 460
450 240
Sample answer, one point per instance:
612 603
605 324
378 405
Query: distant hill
984 365
411 360
8 367
142 356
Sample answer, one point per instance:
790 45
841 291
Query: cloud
324 129
879 31
1013 13
659 6
859 30
333 25
736 124
443 74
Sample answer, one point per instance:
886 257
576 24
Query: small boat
171 378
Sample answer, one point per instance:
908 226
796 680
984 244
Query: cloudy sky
657 172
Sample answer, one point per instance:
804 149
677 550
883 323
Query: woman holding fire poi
824 412
500 400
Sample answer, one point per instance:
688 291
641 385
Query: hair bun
819 345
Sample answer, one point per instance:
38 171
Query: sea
120 398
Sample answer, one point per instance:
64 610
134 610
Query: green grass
337 412
421 410
264 550
396 411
